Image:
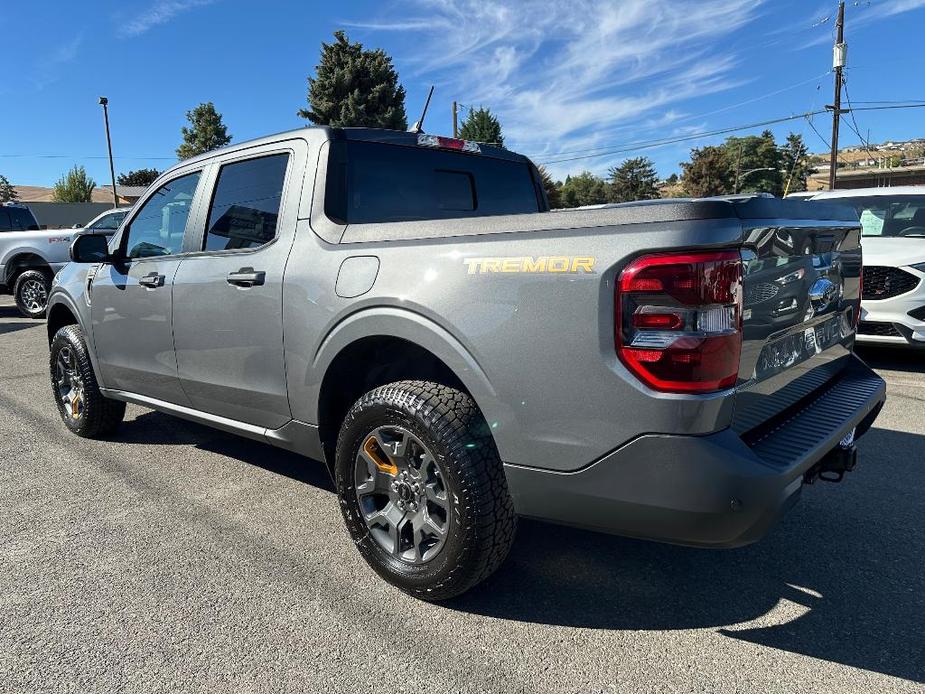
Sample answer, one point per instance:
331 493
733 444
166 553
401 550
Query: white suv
893 299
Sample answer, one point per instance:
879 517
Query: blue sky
564 77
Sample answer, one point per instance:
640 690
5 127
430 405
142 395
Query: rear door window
245 206
376 182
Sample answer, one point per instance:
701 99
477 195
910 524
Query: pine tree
74 186
138 177
207 132
583 189
481 126
759 155
552 188
355 87
707 173
634 179
795 164
7 191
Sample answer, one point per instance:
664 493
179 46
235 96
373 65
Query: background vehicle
107 222
29 258
403 307
893 222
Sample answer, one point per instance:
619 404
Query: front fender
421 331
70 290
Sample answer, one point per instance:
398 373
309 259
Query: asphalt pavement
175 558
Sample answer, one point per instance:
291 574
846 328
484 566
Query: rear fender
423 332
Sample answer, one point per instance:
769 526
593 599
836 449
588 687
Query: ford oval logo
823 294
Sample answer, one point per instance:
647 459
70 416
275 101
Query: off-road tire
25 281
483 522
99 416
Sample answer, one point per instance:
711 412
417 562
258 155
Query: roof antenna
418 127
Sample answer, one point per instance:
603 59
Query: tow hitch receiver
832 468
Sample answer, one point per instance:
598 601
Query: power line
695 116
648 144
632 146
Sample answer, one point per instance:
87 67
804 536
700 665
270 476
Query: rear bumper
721 490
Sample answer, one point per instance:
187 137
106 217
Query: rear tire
82 407
443 472
31 292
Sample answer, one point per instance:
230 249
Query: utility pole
455 120
104 102
839 57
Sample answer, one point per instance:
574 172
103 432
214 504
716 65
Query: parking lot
178 558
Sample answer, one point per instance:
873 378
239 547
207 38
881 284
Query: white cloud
48 67
572 75
160 12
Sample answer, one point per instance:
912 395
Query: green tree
207 132
634 179
552 188
482 126
74 186
795 164
707 173
756 163
7 191
138 177
583 189
355 87
672 180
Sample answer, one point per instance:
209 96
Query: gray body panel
534 349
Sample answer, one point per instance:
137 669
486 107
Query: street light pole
104 102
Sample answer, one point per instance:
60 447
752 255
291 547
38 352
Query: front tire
422 489
82 407
31 292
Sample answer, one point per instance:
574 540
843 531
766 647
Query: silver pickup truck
405 308
30 256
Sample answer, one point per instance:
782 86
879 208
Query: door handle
246 277
152 280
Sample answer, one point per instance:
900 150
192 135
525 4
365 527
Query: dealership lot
178 558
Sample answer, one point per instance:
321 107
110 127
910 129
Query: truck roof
381 135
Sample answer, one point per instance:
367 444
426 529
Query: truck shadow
893 358
157 428
841 578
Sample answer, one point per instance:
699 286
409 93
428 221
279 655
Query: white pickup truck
30 256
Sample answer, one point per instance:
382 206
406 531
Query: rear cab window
378 182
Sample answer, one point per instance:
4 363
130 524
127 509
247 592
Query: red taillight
679 320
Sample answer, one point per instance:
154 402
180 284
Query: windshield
109 222
889 215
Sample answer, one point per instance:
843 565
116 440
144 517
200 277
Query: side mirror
77 226
90 248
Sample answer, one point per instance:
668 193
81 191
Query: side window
245 207
158 227
5 220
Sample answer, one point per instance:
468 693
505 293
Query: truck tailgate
801 295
